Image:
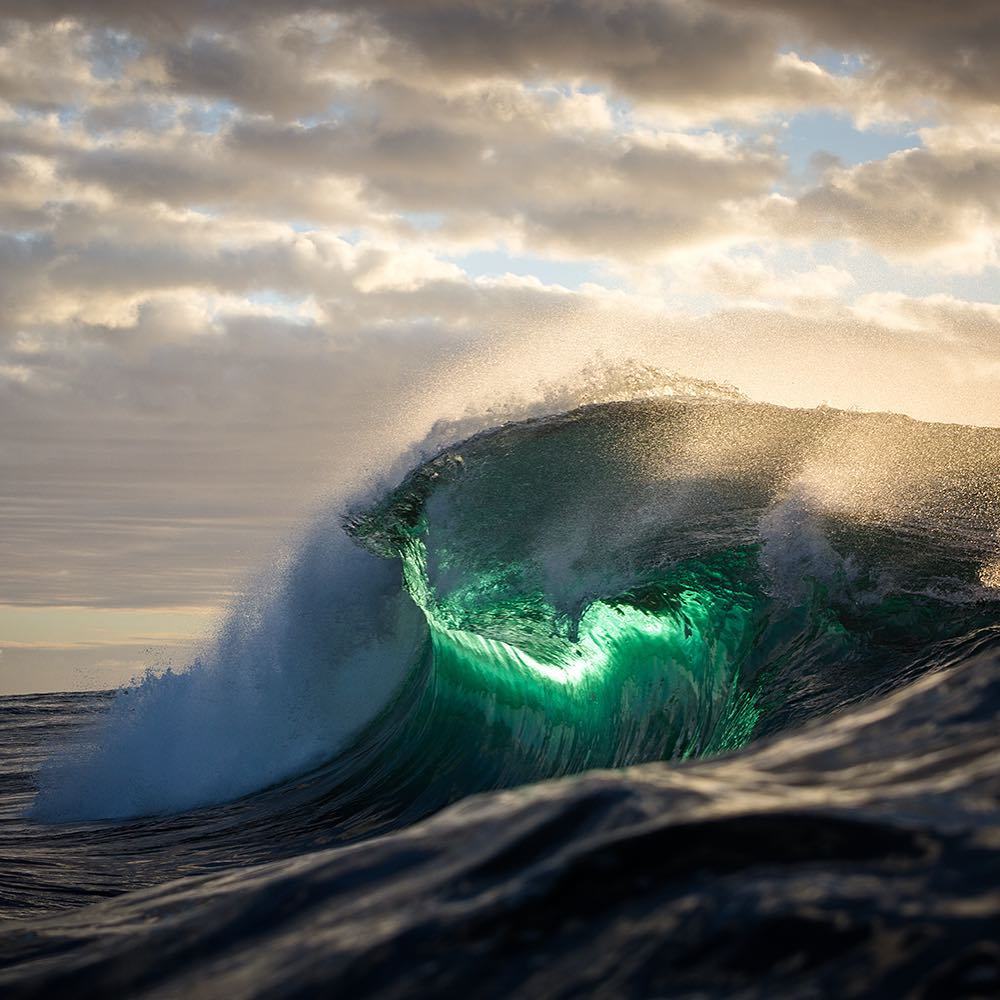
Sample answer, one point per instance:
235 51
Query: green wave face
607 588
644 675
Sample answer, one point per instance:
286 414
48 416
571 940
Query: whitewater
652 690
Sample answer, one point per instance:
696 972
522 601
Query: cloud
748 280
698 58
941 317
44 67
484 114
537 169
917 52
939 204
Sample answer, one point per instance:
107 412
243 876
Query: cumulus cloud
917 50
664 50
540 169
506 120
285 58
939 203
44 68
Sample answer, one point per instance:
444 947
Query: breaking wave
660 578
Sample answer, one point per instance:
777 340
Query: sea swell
645 580
774 632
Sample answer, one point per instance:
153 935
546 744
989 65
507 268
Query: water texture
759 647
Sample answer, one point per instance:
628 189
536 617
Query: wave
659 578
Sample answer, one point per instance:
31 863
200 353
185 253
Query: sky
250 252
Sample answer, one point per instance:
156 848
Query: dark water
774 634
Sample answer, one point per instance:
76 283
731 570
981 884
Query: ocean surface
674 696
